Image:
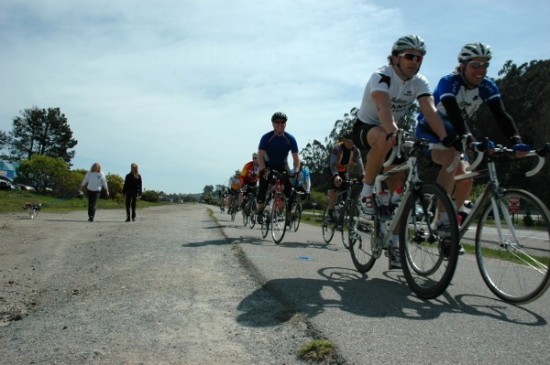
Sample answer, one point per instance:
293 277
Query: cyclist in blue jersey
301 180
273 153
458 96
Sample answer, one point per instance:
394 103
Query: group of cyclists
444 119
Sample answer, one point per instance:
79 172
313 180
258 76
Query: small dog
33 208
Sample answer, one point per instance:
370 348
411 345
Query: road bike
295 212
424 219
275 212
249 207
512 238
344 203
232 210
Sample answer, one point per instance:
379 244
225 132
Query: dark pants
92 202
131 202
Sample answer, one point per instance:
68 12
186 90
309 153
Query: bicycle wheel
362 240
514 262
264 228
343 222
245 217
327 228
429 253
278 217
233 209
253 213
296 216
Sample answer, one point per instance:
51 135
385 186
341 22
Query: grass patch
13 201
504 255
319 350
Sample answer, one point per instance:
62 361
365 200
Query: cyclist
341 156
273 152
458 96
234 186
301 180
249 178
389 93
222 196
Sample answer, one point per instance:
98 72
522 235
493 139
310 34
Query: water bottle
396 196
464 210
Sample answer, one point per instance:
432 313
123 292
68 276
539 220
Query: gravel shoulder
166 289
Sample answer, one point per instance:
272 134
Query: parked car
25 187
6 185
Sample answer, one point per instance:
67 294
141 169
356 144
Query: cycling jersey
341 157
277 148
234 183
301 180
469 100
249 174
402 94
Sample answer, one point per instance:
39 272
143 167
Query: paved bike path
375 318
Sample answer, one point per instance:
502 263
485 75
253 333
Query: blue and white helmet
410 41
474 50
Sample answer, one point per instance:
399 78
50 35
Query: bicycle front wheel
513 246
363 240
245 217
428 240
296 216
327 228
264 228
253 214
278 218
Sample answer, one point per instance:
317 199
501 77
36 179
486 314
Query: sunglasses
279 122
478 64
412 57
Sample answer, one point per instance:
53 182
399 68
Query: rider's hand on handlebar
482 146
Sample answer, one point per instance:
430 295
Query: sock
367 189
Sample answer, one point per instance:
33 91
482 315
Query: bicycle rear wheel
362 240
514 262
264 228
296 215
278 217
429 253
245 217
327 228
344 222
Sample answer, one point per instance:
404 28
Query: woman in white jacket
94 182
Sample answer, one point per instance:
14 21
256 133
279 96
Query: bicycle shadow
355 293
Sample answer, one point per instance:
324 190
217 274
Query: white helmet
474 50
410 41
254 155
237 172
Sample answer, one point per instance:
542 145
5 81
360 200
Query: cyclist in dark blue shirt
273 153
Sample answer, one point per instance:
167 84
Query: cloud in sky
186 88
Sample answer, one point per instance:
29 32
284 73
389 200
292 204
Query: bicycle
249 207
428 253
275 212
232 210
344 203
512 238
296 209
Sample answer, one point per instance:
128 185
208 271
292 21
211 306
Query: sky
186 88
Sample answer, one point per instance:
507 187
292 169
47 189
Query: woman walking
94 182
131 190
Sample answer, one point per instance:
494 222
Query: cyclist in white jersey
389 93
458 96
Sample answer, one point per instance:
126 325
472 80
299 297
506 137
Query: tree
4 143
115 184
42 132
44 173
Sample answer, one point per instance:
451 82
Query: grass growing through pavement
318 350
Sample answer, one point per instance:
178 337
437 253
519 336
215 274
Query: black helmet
347 135
279 116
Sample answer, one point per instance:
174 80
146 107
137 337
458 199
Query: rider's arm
261 160
358 160
334 159
427 107
383 107
454 114
296 161
504 120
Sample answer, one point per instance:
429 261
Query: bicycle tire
296 216
344 232
253 214
361 250
327 229
245 218
264 227
278 217
428 256
515 273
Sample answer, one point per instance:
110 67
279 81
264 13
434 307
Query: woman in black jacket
132 189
